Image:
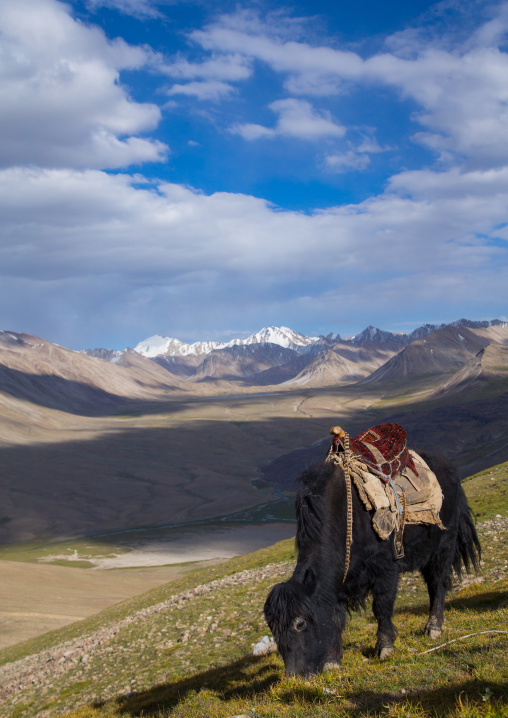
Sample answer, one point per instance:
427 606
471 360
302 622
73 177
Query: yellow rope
344 461
349 504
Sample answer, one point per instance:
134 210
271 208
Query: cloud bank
94 256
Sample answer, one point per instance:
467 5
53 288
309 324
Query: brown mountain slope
496 334
149 374
45 374
327 369
327 364
242 362
367 358
480 375
441 352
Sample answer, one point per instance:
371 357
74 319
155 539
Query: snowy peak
283 336
370 338
165 346
111 355
156 345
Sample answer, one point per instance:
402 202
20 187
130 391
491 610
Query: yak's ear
309 581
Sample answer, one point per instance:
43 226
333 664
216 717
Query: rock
265 646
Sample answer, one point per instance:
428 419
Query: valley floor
39 597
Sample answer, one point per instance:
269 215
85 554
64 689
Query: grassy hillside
184 649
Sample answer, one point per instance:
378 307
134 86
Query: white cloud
144 249
72 240
251 132
347 161
213 90
211 80
90 219
226 67
462 92
369 142
299 60
297 118
463 99
62 102
137 8
355 158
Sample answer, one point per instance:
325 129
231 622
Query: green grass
84 548
465 678
487 492
146 669
282 551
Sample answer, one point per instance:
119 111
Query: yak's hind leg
437 576
384 593
338 624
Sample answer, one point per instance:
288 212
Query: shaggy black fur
307 614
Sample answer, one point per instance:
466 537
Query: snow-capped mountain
166 346
277 355
156 346
283 336
111 355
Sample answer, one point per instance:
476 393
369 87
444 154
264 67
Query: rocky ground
78 659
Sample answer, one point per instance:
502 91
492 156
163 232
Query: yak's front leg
338 623
385 592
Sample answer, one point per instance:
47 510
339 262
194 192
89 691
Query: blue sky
203 169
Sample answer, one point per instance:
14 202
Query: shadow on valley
72 397
138 477
183 468
83 399
250 679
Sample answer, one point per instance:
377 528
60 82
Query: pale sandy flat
217 544
37 597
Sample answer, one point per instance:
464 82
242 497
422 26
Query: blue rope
396 495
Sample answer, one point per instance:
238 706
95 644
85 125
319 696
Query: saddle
408 492
383 448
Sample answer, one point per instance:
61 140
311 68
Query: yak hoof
331 666
385 652
433 629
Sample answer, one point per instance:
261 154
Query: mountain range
95 381
279 356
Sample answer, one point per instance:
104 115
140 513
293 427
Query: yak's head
299 626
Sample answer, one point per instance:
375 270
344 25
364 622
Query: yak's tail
467 550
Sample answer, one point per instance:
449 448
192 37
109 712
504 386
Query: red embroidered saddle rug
383 448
